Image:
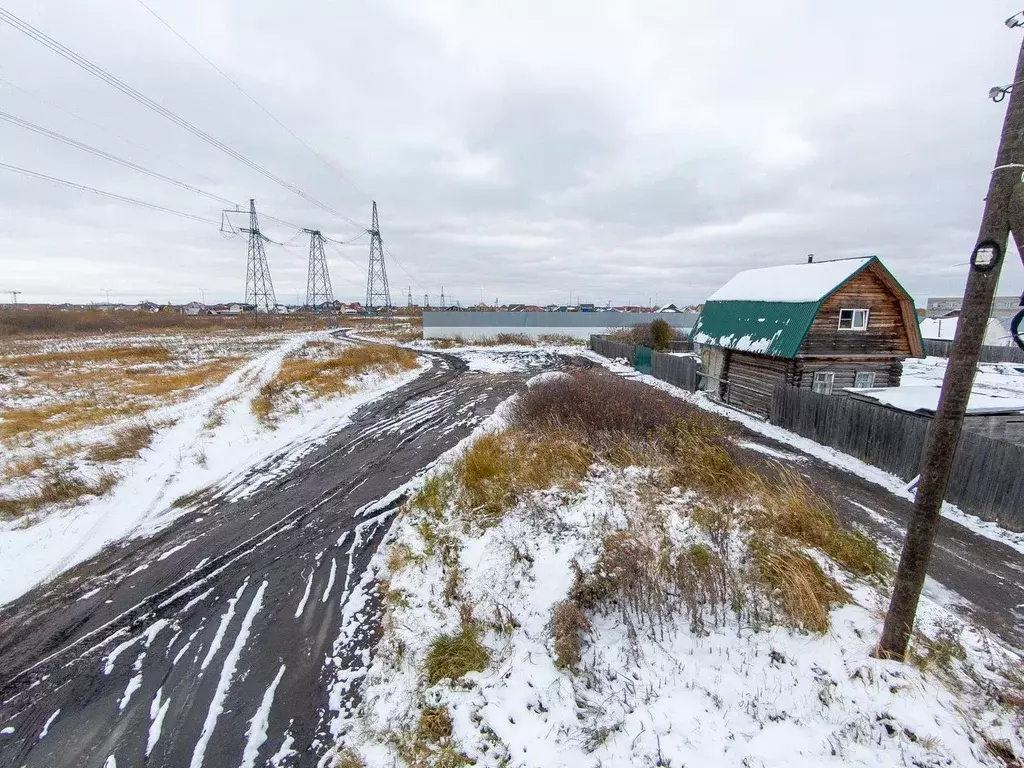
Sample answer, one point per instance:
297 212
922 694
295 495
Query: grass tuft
328 376
807 593
435 725
57 487
453 656
128 442
568 623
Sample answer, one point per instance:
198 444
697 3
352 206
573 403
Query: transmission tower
259 288
426 301
318 280
443 306
409 298
378 296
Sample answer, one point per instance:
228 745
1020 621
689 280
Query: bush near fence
986 479
989 354
678 371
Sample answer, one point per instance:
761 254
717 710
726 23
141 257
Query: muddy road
238 635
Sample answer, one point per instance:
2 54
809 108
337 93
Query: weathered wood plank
986 479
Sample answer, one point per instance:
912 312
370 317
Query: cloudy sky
524 151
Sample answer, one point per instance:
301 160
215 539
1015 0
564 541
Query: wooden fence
678 371
989 354
986 479
613 350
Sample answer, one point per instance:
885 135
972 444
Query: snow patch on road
256 735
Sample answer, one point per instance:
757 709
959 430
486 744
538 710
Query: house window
864 380
853 319
823 382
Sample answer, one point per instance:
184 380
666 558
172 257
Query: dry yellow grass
135 355
179 382
57 487
128 441
806 592
499 468
19 422
790 508
327 376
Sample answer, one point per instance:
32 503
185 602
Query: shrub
453 656
661 335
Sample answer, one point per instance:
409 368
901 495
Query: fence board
989 354
986 479
678 371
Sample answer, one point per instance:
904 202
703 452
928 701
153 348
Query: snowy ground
652 695
844 461
208 438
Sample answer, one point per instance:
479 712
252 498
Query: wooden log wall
752 379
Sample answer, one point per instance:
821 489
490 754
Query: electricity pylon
259 288
318 280
378 296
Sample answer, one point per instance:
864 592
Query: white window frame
824 384
857 376
853 319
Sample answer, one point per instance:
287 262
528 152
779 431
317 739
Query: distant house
669 308
194 308
822 326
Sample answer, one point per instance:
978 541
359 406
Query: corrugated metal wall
580 325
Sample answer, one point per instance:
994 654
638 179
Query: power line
79 61
107 156
253 99
113 196
95 125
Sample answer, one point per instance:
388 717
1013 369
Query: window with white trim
864 380
822 383
853 319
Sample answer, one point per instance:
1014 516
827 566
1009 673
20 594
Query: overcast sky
523 151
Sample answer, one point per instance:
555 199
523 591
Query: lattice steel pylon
318 280
259 288
378 296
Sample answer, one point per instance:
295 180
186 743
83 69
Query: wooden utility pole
944 433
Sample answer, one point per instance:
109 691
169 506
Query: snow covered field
202 435
714 690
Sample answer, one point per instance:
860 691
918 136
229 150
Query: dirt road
238 636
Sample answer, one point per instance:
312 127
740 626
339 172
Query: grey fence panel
678 371
613 350
989 354
986 479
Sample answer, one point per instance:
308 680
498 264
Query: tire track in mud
239 635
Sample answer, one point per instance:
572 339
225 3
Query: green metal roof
764 327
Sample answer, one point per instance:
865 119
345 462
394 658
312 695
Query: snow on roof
943 328
925 398
793 283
